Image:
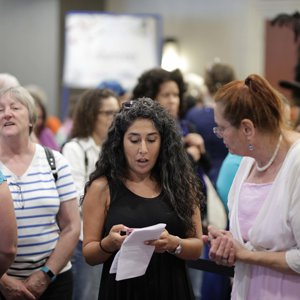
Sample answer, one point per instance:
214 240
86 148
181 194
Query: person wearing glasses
46 210
264 200
143 177
8 227
93 115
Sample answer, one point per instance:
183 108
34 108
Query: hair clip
247 81
127 105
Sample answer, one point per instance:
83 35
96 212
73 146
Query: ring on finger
224 260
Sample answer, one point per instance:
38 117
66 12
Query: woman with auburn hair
264 200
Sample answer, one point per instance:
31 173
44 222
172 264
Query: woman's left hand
222 246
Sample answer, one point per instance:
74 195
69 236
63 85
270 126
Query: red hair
254 99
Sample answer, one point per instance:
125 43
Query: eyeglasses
20 201
219 131
108 113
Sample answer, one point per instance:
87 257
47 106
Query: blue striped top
37 199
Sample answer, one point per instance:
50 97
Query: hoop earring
250 147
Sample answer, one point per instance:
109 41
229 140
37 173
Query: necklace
265 167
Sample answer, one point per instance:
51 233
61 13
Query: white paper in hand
134 256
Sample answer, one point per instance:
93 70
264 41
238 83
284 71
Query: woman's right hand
14 289
114 240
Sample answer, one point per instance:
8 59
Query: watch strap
178 249
47 271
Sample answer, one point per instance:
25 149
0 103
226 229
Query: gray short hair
8 80
20 94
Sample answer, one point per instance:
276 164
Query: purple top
47 139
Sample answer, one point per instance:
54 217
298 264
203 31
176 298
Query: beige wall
29 35
232 30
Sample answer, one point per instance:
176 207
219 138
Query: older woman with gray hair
45 207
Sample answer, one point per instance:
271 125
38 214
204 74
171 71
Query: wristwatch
47 271
178 249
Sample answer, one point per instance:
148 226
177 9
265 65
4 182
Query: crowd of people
126 160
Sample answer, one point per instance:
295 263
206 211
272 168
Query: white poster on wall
106 46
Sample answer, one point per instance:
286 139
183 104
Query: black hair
149 84
173 170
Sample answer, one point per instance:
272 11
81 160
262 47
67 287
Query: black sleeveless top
166 276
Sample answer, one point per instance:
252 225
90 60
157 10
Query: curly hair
173 170
149 84
86 111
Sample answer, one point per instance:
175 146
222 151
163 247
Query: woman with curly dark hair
159 84
168 89
93 115
143 177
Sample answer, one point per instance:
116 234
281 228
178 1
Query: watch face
50 274
178 249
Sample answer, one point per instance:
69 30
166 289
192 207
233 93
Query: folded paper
134 256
